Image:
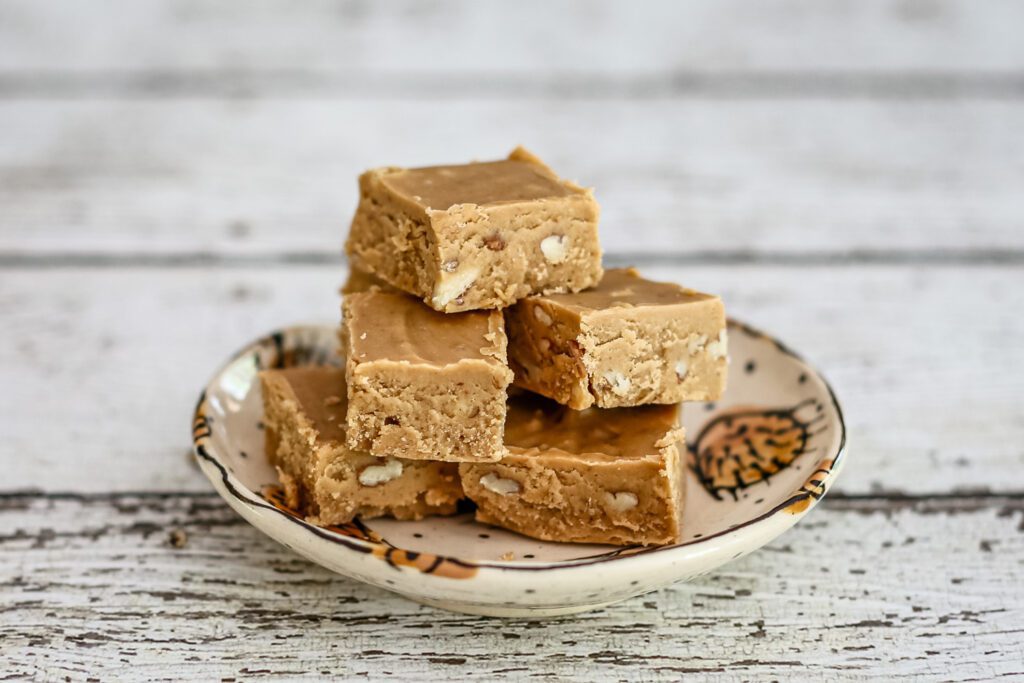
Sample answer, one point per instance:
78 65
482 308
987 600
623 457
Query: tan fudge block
422 384
592 476
627 342
304 418
478 235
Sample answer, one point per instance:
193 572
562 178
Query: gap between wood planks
718 257
297 83
865 502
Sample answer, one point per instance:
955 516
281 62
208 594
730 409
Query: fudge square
479 235
304 418
627 342
423 384
591 476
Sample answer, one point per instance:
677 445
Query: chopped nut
622 501
379 474
177 538
696 343
718 348
681 369
619 383
454 287
495 484
362 336
554 249
494 242
529 369
541 315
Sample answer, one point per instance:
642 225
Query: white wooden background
176 177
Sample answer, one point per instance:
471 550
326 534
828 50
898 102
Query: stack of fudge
488 356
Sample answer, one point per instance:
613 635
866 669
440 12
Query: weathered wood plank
102 366
267 177
94 587
534 36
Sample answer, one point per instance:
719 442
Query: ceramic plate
759 461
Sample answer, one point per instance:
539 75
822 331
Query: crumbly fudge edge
494 255
674 453
392 239
437 492
295 441
626 381
519 463
561 375
371 427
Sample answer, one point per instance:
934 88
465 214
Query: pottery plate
760 459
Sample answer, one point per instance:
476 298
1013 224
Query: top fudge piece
479 235
421 384
627 342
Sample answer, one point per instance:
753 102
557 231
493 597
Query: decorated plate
759 460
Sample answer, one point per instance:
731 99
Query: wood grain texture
94 587
534 36
176 177
102 366
223 177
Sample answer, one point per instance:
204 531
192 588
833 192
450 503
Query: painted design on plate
288 350
812 490
396 557
275 495
746 446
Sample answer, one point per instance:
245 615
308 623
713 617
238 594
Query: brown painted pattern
749 445
812 490
396 557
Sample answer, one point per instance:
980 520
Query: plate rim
805 494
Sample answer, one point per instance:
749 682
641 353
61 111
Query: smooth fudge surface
476 236
627 342
304 418
482 183
361 281
592 476
423 384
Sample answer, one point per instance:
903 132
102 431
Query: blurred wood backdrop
176 177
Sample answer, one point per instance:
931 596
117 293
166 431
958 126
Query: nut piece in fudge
304 418
423 384
627 342
592 476
479 235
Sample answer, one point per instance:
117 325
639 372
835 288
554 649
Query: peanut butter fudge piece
422 384
627 342
479 235
304 417
592 476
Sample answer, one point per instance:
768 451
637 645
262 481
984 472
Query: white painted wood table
175 179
